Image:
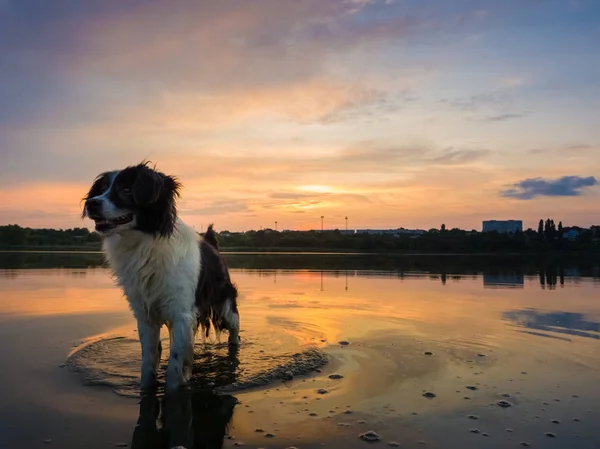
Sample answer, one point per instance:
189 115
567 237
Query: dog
170 275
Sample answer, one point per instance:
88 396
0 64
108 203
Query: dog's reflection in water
192 420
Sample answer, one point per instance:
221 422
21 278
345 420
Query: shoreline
319 251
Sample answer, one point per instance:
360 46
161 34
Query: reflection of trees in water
550 272
550 276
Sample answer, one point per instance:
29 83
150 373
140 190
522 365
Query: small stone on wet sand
475 417
344 343
336 376
550 435
472 387
429 394
428 353
524 443
121 444
393 444
370 436
504 404
322 391
474 430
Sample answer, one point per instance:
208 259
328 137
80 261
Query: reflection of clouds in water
560 322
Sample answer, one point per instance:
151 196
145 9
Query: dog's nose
93 206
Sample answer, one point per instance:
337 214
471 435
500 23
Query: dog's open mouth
103 225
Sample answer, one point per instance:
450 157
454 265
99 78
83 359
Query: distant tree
443 228
541 228
560 230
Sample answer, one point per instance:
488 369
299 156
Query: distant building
503 226
571 234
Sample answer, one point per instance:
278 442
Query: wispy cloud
565 186
504 117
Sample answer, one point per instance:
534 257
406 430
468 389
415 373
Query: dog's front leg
149 333
181 357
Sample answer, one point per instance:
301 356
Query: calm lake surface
442 352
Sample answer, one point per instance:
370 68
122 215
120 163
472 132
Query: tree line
14 236
547 238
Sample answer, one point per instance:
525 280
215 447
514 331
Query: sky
393 113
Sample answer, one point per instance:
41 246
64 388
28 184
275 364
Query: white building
503 226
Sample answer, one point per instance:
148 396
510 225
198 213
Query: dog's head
135 198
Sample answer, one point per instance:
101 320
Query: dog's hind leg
231 319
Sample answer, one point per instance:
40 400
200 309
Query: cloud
504 117
565 186
579 147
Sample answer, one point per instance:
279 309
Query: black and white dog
169 274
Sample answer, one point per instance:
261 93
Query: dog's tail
210 237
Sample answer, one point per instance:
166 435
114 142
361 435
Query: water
472 331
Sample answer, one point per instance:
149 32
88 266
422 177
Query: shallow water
430 355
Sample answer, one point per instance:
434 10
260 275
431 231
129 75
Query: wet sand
426 365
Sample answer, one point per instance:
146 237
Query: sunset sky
395 113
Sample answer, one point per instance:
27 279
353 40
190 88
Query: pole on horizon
276 225
346 224
322 216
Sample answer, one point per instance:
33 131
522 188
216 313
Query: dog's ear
147 187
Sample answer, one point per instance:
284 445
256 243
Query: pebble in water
393 444
555 421
485 434
524 443
550 435
474 430
505 395
336 376
370 436
344 343
504 404
429 394
576 420
474 417
322 391
509 430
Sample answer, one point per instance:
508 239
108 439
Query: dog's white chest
157 276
